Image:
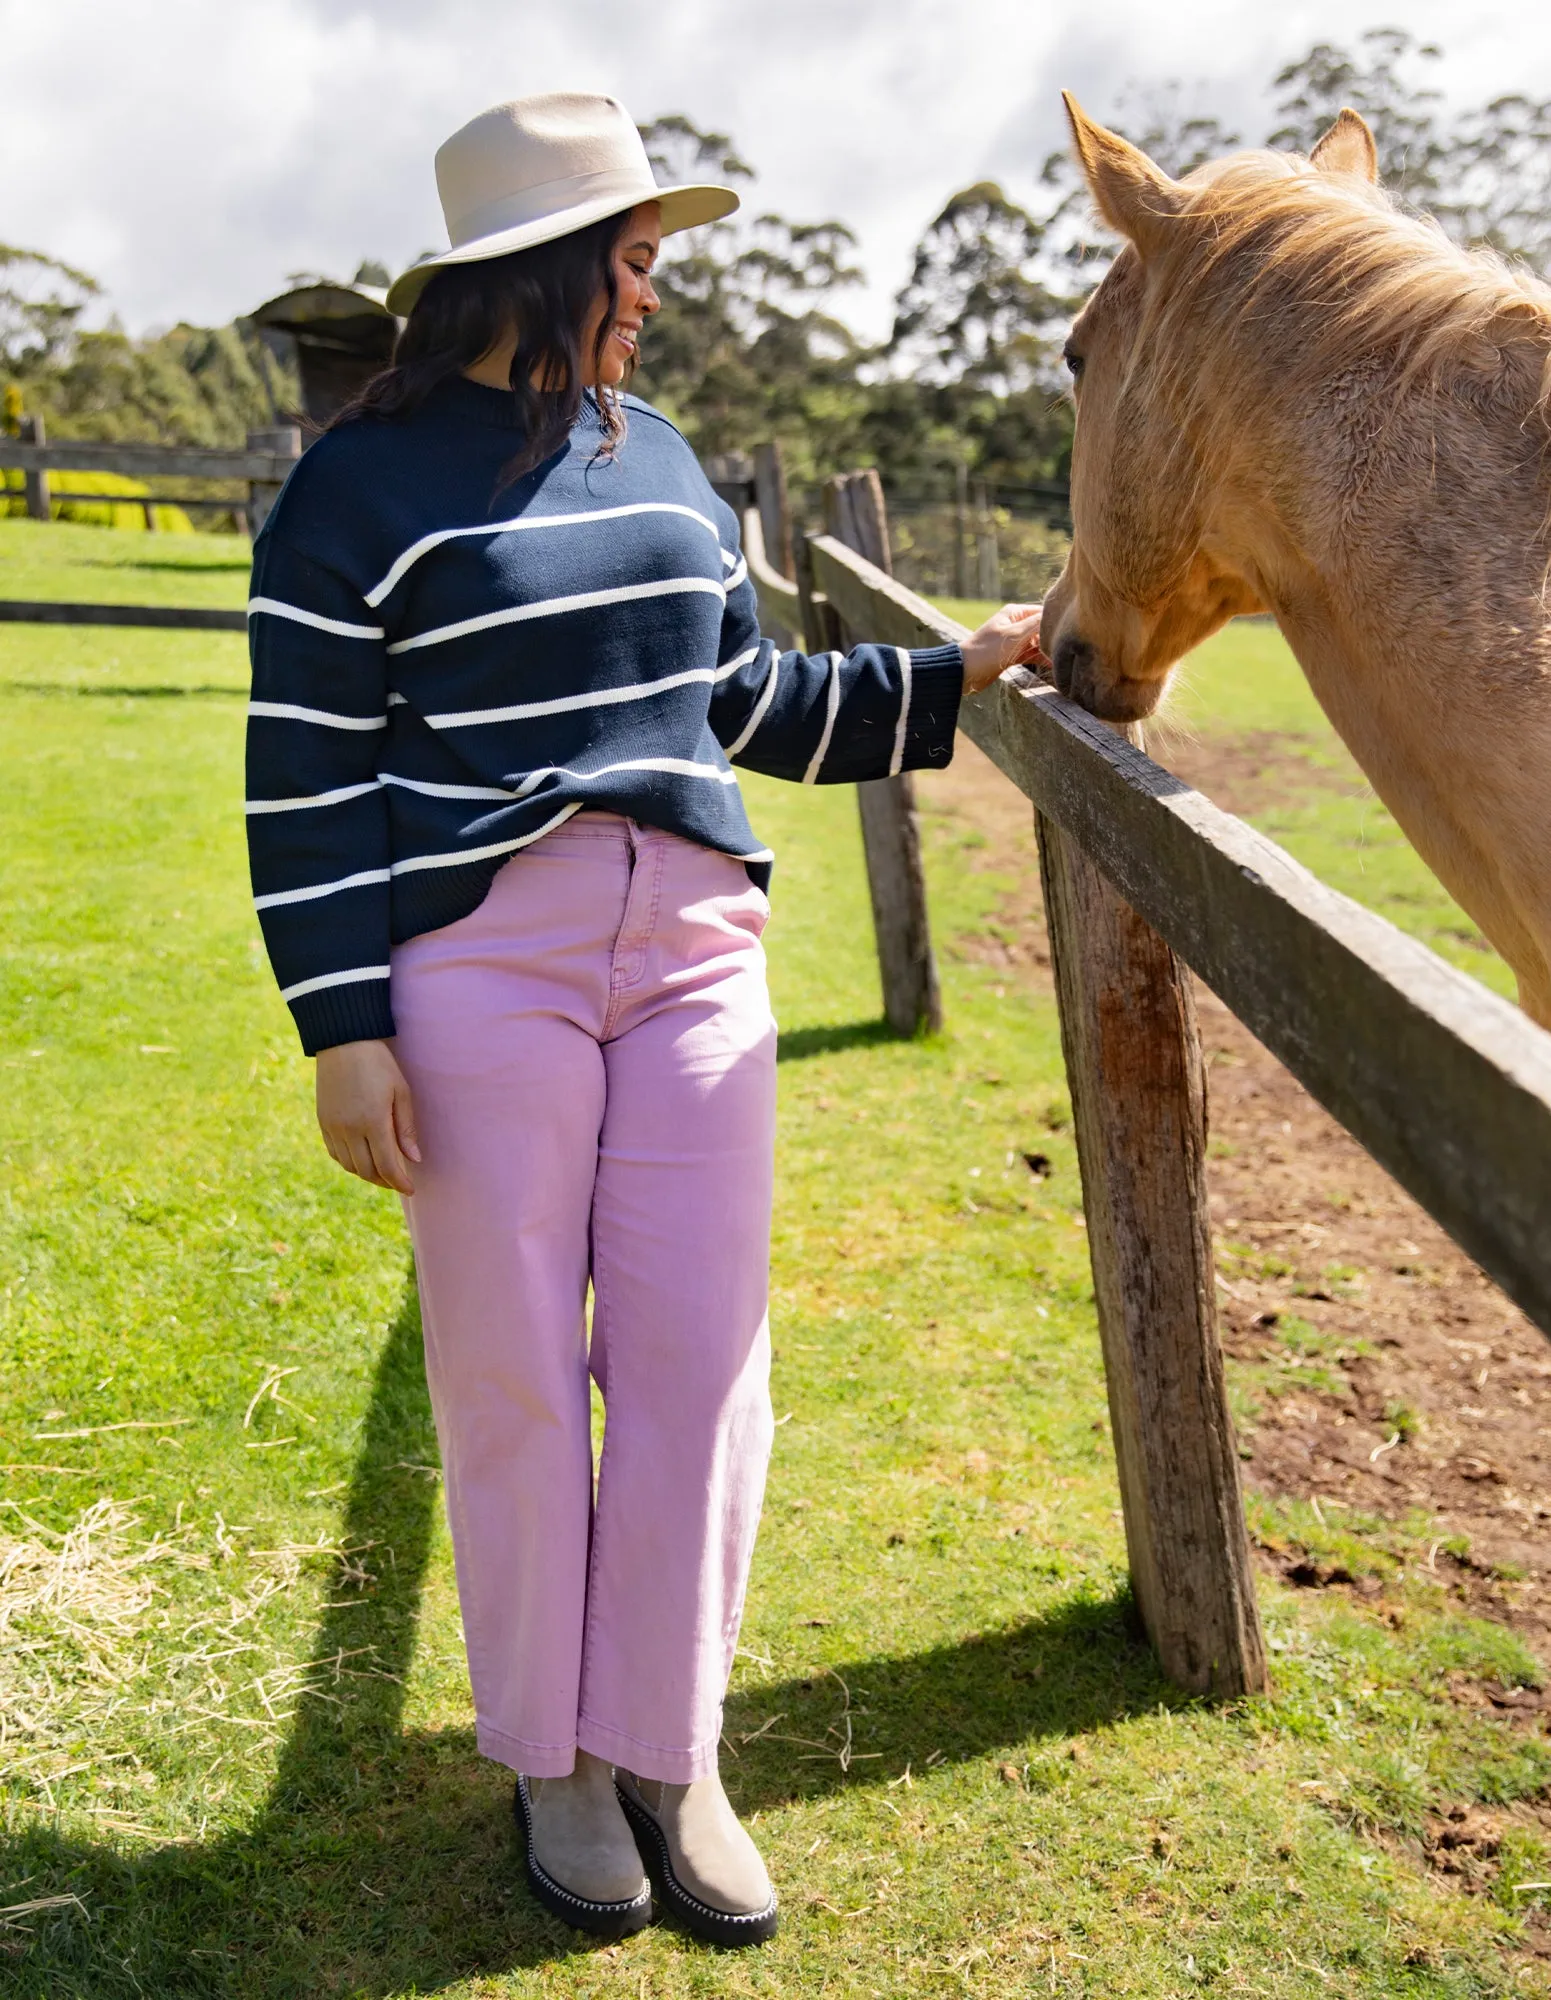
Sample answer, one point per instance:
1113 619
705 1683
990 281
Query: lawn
236 1752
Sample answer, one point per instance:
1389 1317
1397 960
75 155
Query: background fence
957 539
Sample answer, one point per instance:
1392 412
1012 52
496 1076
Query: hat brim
682 208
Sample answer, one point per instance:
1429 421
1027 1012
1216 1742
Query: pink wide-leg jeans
591 1055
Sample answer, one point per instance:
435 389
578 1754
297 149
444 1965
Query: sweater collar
473 402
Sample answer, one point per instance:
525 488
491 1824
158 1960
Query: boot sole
610 1921
728 1928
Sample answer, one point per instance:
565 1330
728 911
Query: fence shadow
235 565
155 691
384 1858
1079 1666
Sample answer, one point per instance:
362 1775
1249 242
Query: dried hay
95 1631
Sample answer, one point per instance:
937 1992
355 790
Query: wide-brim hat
541 167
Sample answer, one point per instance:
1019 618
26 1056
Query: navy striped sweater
445 668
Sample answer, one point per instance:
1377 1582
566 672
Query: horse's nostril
1072 657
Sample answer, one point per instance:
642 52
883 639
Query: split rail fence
1144 880
262 468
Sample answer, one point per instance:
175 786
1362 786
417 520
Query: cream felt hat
540 167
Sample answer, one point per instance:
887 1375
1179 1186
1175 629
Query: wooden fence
1445 1084
262 467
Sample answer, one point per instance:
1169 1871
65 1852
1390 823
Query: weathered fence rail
1448 1086
264 466
146 461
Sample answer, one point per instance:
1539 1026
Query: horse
1293 396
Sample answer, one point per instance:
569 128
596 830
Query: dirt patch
1385 1372
1258 771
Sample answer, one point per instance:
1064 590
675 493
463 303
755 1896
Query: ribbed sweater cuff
936 687
357 1013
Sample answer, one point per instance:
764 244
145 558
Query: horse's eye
1073 361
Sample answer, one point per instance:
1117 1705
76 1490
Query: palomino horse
1293 397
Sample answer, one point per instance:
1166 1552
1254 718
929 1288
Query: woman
504 654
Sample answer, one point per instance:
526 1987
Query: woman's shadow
384 1857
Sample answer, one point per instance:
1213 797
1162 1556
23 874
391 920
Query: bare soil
1391 1376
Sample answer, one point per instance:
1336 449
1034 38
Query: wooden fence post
960 530
774 513
31 430
1138 1084
286 442
854 513
731 474
988 562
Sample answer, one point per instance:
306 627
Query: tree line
752 341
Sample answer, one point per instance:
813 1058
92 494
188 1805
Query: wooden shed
343 334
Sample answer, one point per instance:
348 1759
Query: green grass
238 1736
59 560
1245 683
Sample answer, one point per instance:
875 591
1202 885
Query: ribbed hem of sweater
936 689
357 1013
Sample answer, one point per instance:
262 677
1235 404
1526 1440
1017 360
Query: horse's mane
1371 286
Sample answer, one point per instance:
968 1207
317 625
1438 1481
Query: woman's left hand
1009 638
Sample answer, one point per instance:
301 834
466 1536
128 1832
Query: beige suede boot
582 1861
707 1869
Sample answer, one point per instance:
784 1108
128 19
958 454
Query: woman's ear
1347 148
1133 195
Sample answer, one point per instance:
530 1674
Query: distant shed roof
344 334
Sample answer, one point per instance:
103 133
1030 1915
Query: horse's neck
1401 547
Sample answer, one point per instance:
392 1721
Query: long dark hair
465 309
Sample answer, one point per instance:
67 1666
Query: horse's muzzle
1112 697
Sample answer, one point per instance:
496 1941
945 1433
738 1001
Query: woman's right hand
365 1113
1008 638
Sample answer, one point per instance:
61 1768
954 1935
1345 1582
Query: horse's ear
1348 148
1133 195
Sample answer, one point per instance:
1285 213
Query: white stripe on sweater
738 574
404 563
761 709
364 880
811 775
897 761
318 799
290 711
277 609
469 718
683 767
556 607
352 978
419 861
445 791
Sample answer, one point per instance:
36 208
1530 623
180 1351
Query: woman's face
634 255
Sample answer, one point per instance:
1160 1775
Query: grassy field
1244 687
236 1752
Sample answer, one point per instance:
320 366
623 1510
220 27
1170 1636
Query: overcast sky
191 153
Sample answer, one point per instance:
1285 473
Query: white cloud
192 152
